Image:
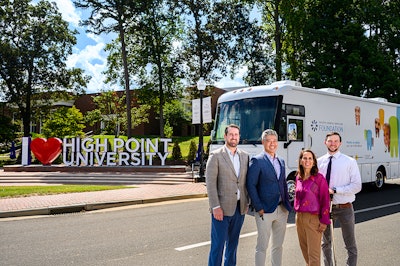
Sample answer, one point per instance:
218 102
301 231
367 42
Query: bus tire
291 185
379 178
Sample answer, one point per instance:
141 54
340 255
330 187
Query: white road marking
378 207
209 242
288 226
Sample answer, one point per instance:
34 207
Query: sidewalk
87 201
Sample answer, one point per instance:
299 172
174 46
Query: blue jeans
225 233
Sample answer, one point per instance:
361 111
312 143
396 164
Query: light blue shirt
236 164
277 166
275 162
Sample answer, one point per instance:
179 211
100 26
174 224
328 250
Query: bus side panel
363 125
366 173
394 173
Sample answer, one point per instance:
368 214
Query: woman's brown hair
314 168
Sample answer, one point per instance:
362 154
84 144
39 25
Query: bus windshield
252 115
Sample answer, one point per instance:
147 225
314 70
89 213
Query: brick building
85 104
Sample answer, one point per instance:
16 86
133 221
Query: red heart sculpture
46 151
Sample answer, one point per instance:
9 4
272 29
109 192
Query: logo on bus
314 125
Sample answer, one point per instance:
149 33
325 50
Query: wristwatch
334 190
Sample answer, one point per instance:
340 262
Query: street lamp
201 86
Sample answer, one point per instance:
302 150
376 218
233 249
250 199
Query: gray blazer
222 182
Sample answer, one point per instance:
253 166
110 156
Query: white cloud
88 53
227 82
68 11
237 81
93 60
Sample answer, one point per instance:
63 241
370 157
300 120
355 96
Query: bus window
292 129
295 129
282 133
252 115
228 114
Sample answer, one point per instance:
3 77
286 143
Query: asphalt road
177 233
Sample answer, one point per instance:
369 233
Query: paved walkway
86 201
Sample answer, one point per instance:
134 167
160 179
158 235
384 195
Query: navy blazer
263 186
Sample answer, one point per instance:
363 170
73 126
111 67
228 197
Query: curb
91 206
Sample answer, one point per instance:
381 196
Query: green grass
184 143
25 191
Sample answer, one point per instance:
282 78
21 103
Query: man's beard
232 144
335 150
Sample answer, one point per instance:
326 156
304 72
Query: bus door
295 140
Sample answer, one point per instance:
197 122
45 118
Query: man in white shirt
344 182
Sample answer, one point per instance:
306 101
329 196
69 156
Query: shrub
192 151
176 151
168 130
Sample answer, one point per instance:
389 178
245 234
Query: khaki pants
272 226
309 237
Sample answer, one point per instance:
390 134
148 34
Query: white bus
303 116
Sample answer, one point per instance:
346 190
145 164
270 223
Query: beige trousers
309 238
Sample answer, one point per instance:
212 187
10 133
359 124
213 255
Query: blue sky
89 53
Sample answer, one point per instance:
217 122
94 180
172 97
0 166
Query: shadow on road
371 203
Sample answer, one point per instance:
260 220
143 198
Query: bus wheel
291 185
379 179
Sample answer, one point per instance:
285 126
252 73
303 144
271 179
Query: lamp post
201 86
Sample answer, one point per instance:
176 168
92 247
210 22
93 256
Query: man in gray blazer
226 173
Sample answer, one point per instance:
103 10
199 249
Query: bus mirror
213 134
286 144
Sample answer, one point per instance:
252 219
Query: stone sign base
63 168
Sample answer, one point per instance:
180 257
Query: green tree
274 27
175 115
34 44
345 45
64 122
335 45
382 24
168 130
111 110
192 151
257 56
150 42
265 40
176 151
214 37
293 14
8 130
114 16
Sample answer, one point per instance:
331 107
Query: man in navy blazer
267 189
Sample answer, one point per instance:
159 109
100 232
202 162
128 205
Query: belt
342 206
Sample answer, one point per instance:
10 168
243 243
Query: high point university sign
132 152
97 152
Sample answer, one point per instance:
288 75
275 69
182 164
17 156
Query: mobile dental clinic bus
303 116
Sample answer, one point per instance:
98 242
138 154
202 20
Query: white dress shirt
345 176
